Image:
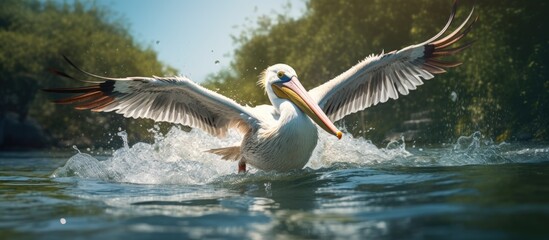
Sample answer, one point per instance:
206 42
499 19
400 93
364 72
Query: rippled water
350 189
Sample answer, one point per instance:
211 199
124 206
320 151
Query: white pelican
281 136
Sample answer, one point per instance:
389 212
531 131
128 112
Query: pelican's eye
280 74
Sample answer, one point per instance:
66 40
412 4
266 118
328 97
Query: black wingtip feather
60 73
87 73
107 86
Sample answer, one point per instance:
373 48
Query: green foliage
33 37
501 89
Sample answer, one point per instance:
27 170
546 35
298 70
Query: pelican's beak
294 91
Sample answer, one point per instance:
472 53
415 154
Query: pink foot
241 167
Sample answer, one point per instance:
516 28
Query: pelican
283 135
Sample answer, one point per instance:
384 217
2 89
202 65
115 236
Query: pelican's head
280 82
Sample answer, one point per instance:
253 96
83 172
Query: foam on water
355 151
179 158
176 158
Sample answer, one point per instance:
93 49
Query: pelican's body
281 136
282 144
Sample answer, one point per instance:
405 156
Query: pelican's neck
275 100
291 117
288 111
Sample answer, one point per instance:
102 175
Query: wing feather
379 78
166 99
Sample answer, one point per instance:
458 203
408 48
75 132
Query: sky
194 37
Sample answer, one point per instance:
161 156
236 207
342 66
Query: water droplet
76 148
453 96
268 188
216 62
62 220
124 137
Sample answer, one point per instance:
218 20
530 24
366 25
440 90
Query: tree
500 90
33 37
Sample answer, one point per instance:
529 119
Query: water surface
471 189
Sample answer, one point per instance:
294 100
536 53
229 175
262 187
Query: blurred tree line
33 37
502 89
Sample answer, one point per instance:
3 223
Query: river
351 189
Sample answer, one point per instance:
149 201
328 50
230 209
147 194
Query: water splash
357 151
179 157
468 143
124 137
176 158
76 148
474 149
453 96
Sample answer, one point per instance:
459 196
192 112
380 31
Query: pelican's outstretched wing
378 78
168 99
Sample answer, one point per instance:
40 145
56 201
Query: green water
479 190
